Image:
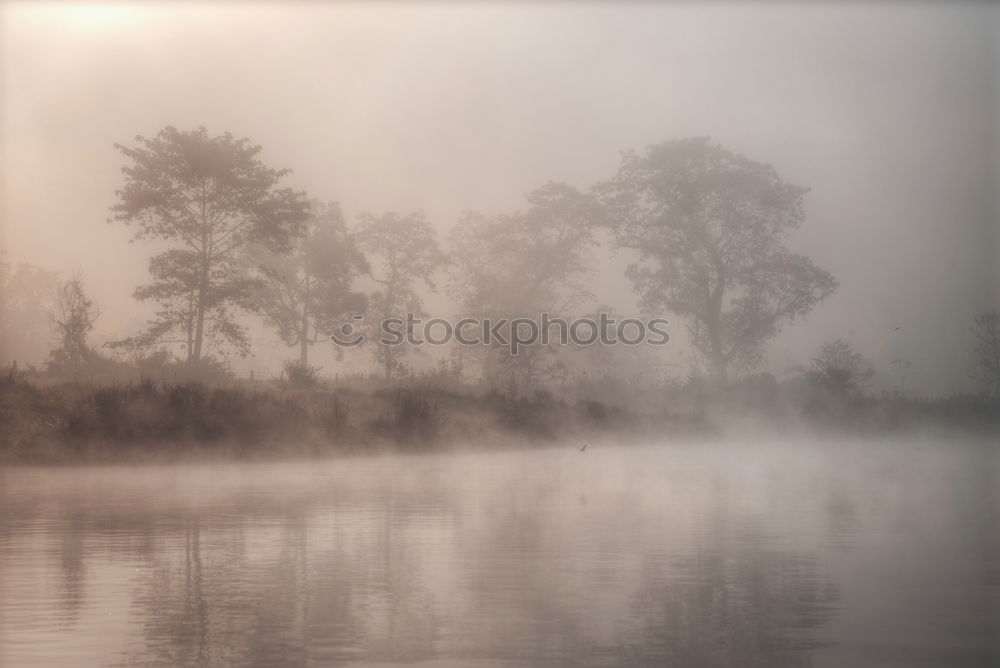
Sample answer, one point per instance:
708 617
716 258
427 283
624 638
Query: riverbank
150 420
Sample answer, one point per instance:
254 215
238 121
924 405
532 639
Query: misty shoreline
150 421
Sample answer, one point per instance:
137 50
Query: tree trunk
718 356
199 330
714 324
304 326
304 345
719 364
189 326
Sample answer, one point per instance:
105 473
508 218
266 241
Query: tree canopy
709 227
307 292
840 368
27 298
403 251
522 265
986 330
209 198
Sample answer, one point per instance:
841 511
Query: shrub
299 376
414 417
531 417
148 411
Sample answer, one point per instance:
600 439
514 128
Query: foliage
404 252
534 415
840 369
986 329
414 418
306 293
209 198
299 376
520 266
74 318
27 298
14 378
709 227
209 370
151 411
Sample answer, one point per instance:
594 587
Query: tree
709 227
839 368
404 252
305 293
27 298
74 318
209 198
522 265
986 329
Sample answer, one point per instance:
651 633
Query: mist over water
748 554
280 387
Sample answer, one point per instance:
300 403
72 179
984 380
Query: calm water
846 554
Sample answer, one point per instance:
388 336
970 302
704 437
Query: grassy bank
150 420
157 420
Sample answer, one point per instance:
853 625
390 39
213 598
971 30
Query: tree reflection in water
509 559
422 575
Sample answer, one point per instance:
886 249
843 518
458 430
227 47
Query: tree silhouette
27 298
305 293
986 329
709 227
404 252
838 367
522 265
209 198
74 318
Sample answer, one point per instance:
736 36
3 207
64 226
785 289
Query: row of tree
707 227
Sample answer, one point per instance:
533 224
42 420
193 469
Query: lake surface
840 554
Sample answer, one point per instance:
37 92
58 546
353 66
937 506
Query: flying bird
584 447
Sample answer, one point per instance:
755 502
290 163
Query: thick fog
888 113
220 444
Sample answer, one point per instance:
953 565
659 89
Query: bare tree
709 227
74 318
986 329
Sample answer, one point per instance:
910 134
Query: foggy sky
888 113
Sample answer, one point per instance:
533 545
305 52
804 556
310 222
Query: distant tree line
707 229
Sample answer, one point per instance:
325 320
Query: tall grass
413 419
154 411
299 376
